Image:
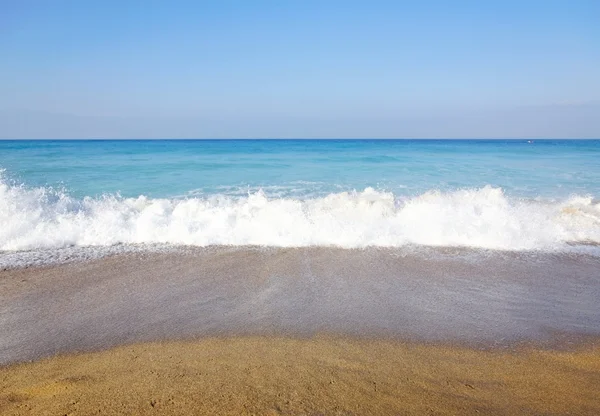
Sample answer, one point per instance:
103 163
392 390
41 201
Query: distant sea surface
515 195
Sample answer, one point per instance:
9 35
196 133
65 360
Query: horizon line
300 138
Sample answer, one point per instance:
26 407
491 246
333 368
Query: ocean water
511 195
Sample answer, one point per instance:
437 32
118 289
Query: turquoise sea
490 194
303 168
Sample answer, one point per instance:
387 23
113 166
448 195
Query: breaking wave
43 218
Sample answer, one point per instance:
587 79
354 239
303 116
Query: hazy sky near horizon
217 69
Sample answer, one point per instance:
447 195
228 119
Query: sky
299 69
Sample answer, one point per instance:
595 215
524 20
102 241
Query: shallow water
486 298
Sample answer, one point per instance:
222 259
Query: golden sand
319 376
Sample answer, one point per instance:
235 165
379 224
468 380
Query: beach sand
317 376
302 331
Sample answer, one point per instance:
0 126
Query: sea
106 242
515 195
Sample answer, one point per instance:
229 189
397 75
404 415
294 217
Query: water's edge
484 298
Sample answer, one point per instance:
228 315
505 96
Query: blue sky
182 69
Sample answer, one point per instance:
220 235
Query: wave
44 218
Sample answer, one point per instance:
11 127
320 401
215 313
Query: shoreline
474 299
302 331
320 375
13 260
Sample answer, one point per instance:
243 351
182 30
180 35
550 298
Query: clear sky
182 69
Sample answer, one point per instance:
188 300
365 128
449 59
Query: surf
34 218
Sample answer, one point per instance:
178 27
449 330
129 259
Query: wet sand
481 299
303 331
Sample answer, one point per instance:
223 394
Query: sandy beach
318 376
302 331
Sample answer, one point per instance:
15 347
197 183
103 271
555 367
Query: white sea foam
41 218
